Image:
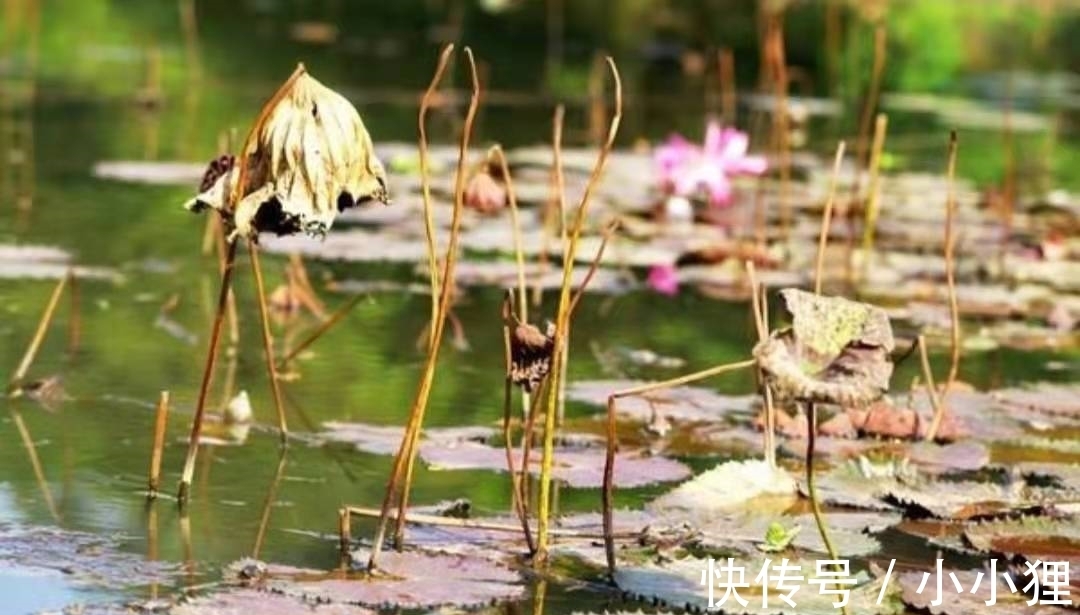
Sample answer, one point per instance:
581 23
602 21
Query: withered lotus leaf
309 158
835 351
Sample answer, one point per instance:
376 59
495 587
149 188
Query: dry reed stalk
932 393
758 310
515 221
950 263
161 418
826 218
39 336
608 490
562 327
208 372
554 209
268 340
866 116
405 458
781 131
425 185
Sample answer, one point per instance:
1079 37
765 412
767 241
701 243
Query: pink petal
664 279
749 165
714 139
719 188
735 144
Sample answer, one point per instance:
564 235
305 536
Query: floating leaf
677 404
244 601
726 487
149 172
749 530
1053 399
836 351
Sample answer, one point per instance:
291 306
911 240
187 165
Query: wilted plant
307 157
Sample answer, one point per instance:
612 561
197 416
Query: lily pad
728 486
683 403
243 601
973 599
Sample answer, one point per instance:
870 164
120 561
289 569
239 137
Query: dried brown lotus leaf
836 351
310 158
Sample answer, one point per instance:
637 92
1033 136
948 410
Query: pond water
87 467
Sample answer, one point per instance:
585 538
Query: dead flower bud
308 158
484 193
530 355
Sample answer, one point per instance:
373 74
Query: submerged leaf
836 351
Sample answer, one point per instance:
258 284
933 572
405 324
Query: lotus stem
425 186
950 263
557 203
936 401
757 308
608 497
75 317
811 488
35 464
527 442
780 119
268 505
826 218
161 418
321 330
517 495
519 252
441 521
874 198
39 337
208 372
605 237
447 289
268 340
562 328
344 530
406 455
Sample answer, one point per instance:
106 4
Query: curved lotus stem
950 264
613 440
562 329
405 458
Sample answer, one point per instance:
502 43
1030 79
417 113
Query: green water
94 446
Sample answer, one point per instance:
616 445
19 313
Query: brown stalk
268 505
519 252
208 372
406 455
1010 169
613 440
563 322
344 530
605 237
932 393
950 263
39 336
321 330
871 102
781 131
758 309
527 443
268 340
517 494
557 204
826 218
425 186
441 521
75 316
161 418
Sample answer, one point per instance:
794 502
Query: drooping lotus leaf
836 351
678 584
973 599
310 158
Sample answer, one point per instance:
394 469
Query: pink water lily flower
685 168
664 279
